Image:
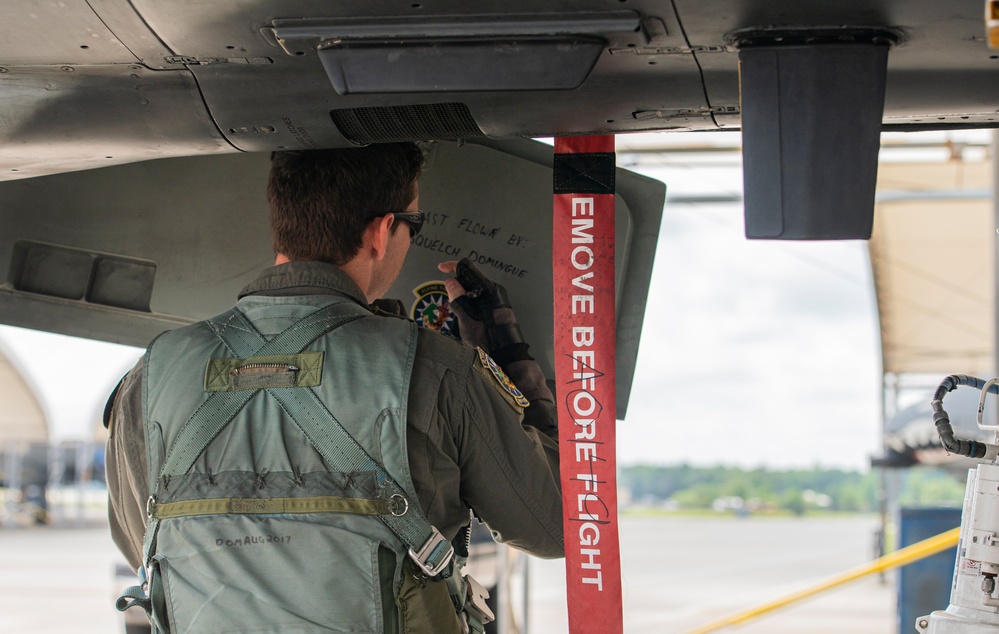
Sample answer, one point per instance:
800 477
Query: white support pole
502 590
995 251
56 468
525 615
12 477
7 471
83 458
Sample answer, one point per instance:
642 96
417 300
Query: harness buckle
476 605
434 555
398 505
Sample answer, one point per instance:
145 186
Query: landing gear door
491 201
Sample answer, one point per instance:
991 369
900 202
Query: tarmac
678 574
681 573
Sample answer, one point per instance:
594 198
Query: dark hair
322 200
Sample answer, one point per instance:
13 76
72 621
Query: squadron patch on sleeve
431 308
509 389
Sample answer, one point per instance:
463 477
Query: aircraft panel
502 222
84 81
199 222
47 33
55 120
166 78
940 59
122 253
241 95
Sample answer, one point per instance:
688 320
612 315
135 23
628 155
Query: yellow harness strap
228 506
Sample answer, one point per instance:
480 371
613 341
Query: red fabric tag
585 373
584 144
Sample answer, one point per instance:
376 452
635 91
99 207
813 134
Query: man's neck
355 268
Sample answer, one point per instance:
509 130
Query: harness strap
220 408
427 547
252 506
468 595
133 596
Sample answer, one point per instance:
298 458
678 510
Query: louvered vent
436 121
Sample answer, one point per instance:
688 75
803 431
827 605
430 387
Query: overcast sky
753 353
72 377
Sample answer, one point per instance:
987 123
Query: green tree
699 496
697 487
923 486
792 500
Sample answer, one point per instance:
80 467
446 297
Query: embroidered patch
431 308
503 379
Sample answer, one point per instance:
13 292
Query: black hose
969 448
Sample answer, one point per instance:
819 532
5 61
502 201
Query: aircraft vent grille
424 122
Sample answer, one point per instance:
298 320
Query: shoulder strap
427 547
243 340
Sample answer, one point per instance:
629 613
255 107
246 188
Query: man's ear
376 236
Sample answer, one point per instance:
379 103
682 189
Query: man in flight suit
341 222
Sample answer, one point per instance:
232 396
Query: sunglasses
415 221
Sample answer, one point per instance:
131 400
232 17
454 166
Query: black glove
485 318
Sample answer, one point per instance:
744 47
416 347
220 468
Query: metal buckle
398 505
150 507
476 605
427 550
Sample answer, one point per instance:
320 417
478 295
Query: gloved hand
486 320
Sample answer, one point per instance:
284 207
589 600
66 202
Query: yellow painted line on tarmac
907 555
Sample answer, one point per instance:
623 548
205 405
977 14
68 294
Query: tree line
797 490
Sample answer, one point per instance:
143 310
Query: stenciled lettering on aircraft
300 133
521 242
436 218
480 229
456 232
435 244
583 276
481 260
